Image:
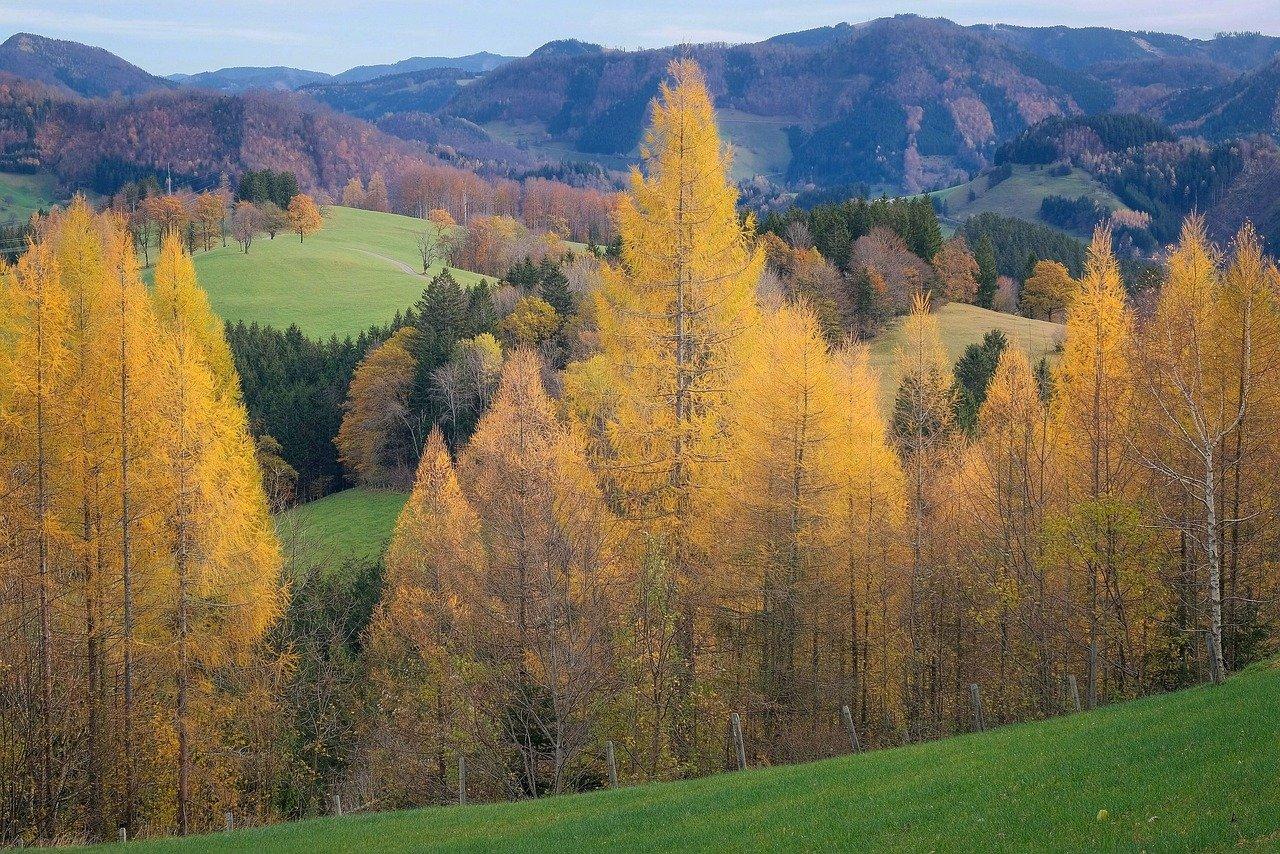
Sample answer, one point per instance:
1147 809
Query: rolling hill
424 90
21 195
1020 195
475 62
1247 105
1195 770
898 102
359 270
75 68
244 78
960 325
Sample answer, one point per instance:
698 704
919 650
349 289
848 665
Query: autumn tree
1207 364
1094 387
379 438
246 222
422 631
671 317
1046 291
548 606
957 269
304 216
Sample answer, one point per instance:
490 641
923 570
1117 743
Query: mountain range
896 104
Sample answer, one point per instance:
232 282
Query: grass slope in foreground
359 270
1197 770
355 523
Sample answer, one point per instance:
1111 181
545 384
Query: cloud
150 29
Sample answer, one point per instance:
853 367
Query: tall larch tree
926 436
549 569
36 421
1007 480
226 561
1207 366
1094 415
775 532
421 636
867 519
672 318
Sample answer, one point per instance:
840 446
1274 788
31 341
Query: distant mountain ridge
244 78
476 62
90 72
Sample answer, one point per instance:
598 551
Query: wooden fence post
735 723
979 723
613 764
1074 689
462 780
337 805
853 733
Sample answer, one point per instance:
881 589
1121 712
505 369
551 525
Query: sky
332 35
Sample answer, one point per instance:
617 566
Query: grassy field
22 195
1020 196
760 144
1193 771
359 270
354 523
960 325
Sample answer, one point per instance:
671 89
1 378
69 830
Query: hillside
1194 771
960 325
1020 195
193 134
22 195
357 271
475 62
1083 47
242 79
425 90
899 102
355 523
75 68
1247 105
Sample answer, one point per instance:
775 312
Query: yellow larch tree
772 534
867 517
420 640
1007 479
926 436
1094 416
34 440
1209 382
226 560
672 317
547 624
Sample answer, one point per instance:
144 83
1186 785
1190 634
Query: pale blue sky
331 35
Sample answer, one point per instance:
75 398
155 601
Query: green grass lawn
1193 771
346 277
960 325
1020 196
354 523
22 195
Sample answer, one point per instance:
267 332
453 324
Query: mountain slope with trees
75 68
